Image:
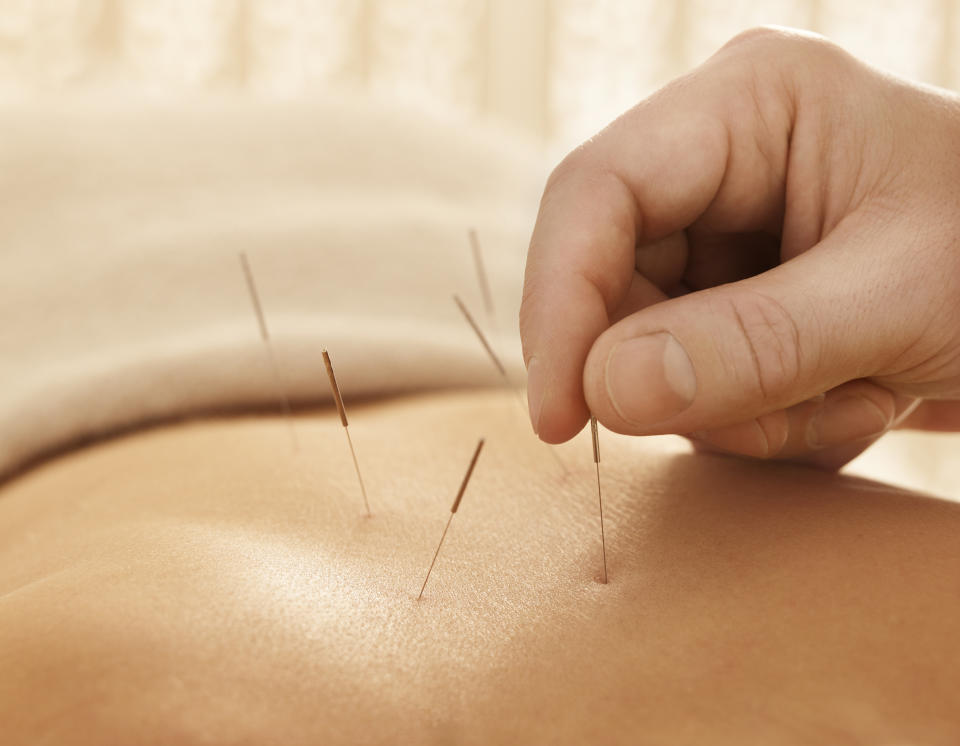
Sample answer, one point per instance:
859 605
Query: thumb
721 356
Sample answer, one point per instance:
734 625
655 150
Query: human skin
203 583
763 255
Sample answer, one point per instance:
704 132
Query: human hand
764 255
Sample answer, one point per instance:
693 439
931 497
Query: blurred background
554 70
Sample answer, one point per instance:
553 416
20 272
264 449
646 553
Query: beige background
554 69
278 120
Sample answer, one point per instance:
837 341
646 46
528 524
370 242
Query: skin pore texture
203 583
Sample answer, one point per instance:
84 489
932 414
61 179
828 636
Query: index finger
711 147
581 258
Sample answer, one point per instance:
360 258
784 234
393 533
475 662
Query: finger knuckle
775 46
777 39
572 163
764 34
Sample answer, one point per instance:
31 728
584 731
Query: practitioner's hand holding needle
765 255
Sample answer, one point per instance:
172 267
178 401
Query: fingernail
745 438
762 437
650 379
535 392
845 419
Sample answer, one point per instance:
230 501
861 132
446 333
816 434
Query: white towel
122 300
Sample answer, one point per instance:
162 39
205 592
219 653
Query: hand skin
763 256
204 584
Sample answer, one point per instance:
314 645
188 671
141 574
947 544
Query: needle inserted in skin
596 461
265 336
453 510
503 371
343 421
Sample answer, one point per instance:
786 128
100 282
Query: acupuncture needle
346 429
271 355
481 274
484 284
500 369
596 462
453 510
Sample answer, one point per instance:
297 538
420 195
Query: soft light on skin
221 587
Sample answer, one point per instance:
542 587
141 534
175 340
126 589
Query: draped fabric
122 301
